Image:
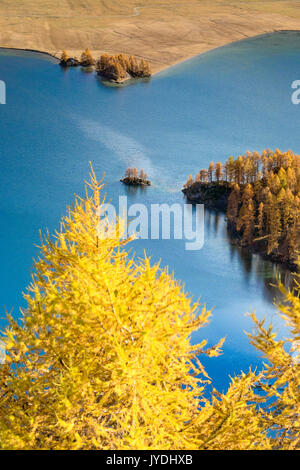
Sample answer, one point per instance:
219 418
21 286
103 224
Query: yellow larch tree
87 58
64 56
102 357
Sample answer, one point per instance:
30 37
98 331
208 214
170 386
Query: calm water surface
221 103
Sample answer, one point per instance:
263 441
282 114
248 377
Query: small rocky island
113 68
260 195
133 178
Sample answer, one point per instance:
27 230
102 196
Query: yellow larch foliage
267 215
64 56
281 378
102 357
87 58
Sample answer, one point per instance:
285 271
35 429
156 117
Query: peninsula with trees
165 33
260 194
114 68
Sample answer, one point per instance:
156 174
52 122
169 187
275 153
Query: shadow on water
134 190
86 69
112 84
266 272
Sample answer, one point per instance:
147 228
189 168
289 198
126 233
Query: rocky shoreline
213 195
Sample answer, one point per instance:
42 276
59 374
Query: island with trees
134 178
260 194
114 68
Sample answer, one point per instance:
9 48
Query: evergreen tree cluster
132 176
86 59
113 67
118 66
133 173
263 208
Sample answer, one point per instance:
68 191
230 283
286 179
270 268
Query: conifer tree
238 171
274 183
103 62
260 219
218 171
275 229
64 56
132 66
282 177
291 178
198 178
249 222
123 60
231 168
103 358
189 181
87 58
145 68
211 171
143 175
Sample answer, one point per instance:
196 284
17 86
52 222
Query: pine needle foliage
280 383
102 356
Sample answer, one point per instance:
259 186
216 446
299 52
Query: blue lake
222 103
